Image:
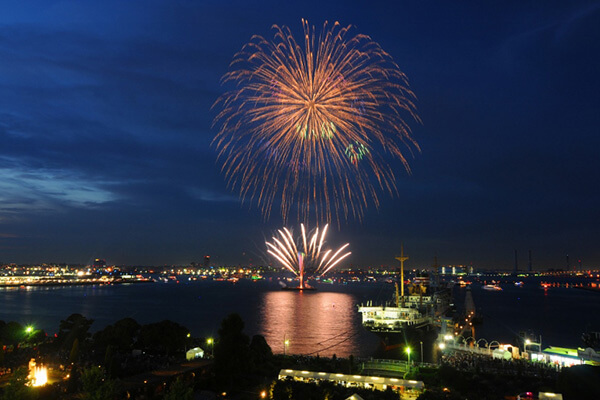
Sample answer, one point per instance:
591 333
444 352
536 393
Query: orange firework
308 128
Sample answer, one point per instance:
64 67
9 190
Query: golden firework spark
306 256
309 127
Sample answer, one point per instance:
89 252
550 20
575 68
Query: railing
468 348
386 365
392 365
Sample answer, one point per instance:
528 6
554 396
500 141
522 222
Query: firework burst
306 256
308 127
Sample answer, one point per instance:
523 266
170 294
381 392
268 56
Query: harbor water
323 322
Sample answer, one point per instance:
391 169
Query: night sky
105 131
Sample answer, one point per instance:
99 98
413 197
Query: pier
465 323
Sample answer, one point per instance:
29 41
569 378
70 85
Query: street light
421 352
29 329
286 343
408 352
209 342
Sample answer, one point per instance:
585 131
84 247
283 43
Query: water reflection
313 322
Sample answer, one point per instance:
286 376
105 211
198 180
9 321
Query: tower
530 266
516 262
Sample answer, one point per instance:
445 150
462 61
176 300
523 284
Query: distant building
99 263
206 261
455 270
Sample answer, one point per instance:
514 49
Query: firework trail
305 256
308 128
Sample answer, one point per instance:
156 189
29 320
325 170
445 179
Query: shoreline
74 282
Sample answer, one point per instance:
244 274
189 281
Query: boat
493 287
395 320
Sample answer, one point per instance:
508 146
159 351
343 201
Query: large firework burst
310 126
307 256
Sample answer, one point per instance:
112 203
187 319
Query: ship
407 315
493 287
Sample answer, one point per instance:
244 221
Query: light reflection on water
312 321
321 323
325 321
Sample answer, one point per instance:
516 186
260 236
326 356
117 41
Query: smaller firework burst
305 256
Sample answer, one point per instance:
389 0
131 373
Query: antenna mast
402 258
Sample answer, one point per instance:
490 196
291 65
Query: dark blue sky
105 131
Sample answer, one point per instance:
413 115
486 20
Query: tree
231 350
74 351
179 390
109 361
95 386
36 337
122 335
76 326
260 354
16 388
74 380
579 381
13 333
165 336
126 332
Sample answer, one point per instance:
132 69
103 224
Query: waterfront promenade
42 280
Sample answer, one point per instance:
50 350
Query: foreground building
404 386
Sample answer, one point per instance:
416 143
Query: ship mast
402 258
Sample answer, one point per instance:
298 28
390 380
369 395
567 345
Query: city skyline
105 133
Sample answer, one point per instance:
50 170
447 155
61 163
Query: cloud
211 196
26 189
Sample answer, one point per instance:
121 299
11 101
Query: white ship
419 309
